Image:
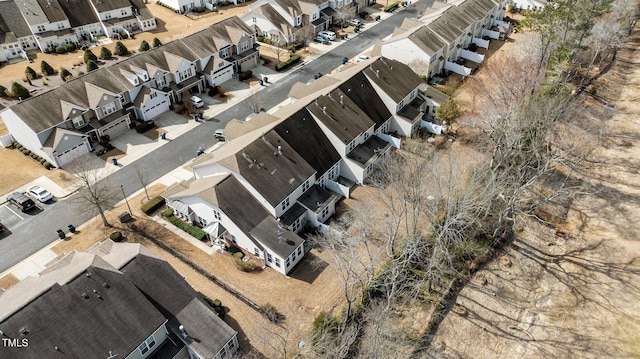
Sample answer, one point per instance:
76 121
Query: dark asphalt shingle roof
304 135
118 321
54 11
108 5
360 91
12 21
395 78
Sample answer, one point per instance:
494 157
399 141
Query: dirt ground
573 293
312 287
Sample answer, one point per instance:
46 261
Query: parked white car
328 34
356 22
321 39
39 193
362 58
197 101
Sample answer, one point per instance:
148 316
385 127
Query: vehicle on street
39 193
21 201
362 58
321 39
356 23
219 134
197 101
328 34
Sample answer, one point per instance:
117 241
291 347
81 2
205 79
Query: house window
122 100
333 172
153 95
321 182
223 353
108 109
352 145
233 238
299 251
202 221
243 46
78 121
256 251
216 215
41 28
278 262
325 211
107 16
123 12
231 345
224 52
147 345
269 259
60 26
305 186
288 262
285 204
160 82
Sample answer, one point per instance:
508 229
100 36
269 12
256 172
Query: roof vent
318 204
342 100
106 285
324 109
88 274
85 295
183 332
292 180
97 294
24 330
279 153
378 73
348 90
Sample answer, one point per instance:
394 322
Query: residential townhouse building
15 35
231 215
116 299
442 40
288 21
108 101
45 24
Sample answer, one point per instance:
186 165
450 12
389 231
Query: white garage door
115 128
222 76
72 153
151 112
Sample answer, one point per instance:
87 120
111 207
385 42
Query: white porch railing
431 127
481 42
501 23
394 141
492 34
459 69
471 56
338 188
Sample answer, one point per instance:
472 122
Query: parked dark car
21 201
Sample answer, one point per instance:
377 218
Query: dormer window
77 121
108 109
160 81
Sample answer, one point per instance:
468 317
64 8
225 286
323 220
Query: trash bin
266 80
261 83
114 161
72 228
315 76
344 60
199 151
163 135
61 234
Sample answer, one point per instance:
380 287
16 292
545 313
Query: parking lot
11 216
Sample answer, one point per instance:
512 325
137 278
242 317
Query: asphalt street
38 230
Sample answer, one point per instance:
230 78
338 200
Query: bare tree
143 178
93 193
254 101
186 100
279 48
305 35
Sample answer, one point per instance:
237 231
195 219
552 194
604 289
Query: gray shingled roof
360 91
117 318
395 78
340 115
108 5
78 13
53 11
427 40
304 135
13 20
273 175
180 303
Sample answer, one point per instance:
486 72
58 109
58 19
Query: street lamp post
125 198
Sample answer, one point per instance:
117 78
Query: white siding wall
351 170
24 134
160 335
293 197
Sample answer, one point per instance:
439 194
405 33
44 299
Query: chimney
378 73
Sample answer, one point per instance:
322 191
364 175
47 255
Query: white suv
197 101
328 34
